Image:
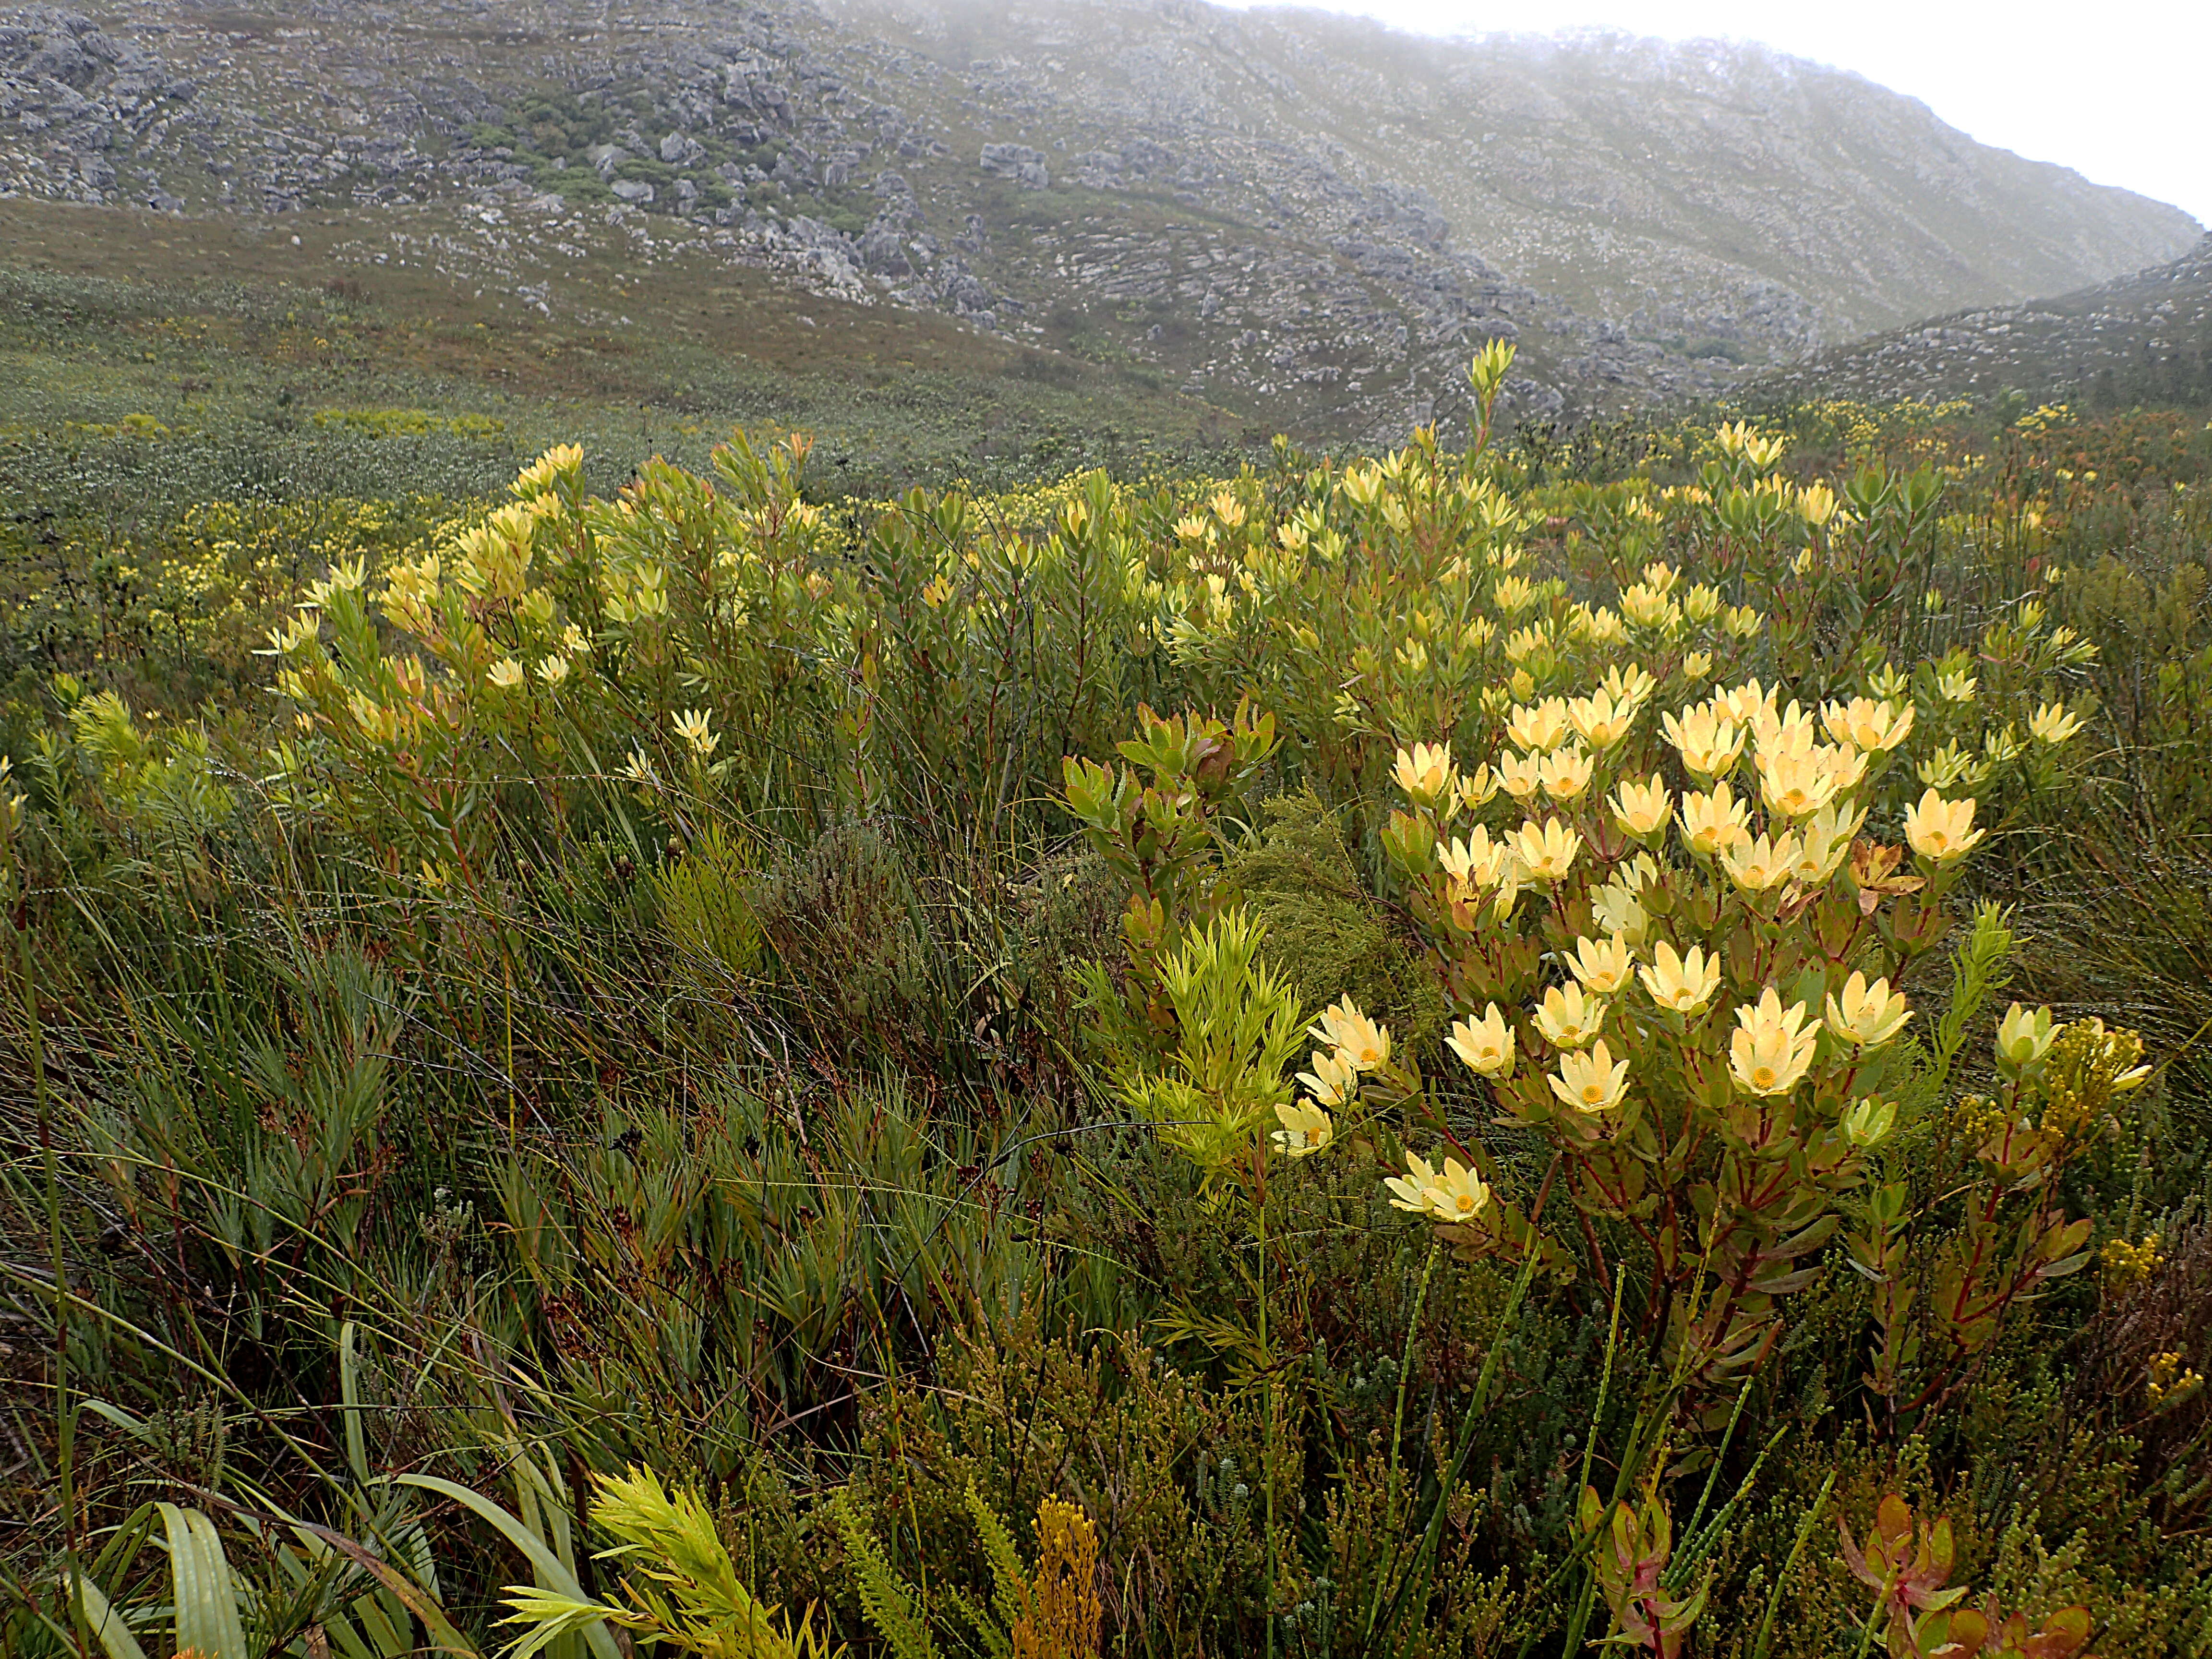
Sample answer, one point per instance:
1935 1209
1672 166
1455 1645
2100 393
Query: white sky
2119 90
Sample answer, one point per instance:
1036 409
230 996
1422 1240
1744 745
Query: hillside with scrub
1472 1049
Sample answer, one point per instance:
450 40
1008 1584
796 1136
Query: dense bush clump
1441 1053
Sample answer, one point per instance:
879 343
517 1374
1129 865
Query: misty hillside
1304 220
2145 338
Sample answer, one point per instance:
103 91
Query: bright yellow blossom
1357 1040
1758 864
1867 1015
2023 1038
1547 850
1474 862
1425 773
1600 720
1602 966
1709 741
1306 1128
1941 831
693 727
1874 728
1567 774
1796 786
1333 1080
1569 1019
1486 1044
1593 1082
1540 727
1643 809
1771 1048
1684 983
1713 824
1410 1190
1520 776
506 673
1458 1194
2053 723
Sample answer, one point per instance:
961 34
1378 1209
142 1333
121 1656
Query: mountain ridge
1202 196
2142 337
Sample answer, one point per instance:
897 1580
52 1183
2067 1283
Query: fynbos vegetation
1447 1053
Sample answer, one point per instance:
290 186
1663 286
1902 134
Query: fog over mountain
1308 217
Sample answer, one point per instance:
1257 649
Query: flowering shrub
1492 979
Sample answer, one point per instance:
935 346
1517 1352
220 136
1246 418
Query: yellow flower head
1520 776
1306 1128
1486 1044
1709 741
1542 727
1475 861
562 461
1602 967
1744 704
2052 723
553 670
1357 1040
1457 1196
1410 1190
1600 720
1696 664
1425 773
1547 850
1643 809
1333 1080
1684 983
1629 686
1569 1019
1567 774
1757 864
1771 1048
1941 831
506 673
1713 824
1477 787
1512 594
1956 687
1795 785
1816 504
2023 1038
1867 1015
1869 727
1593 1082
693 726
1616 909
1823 844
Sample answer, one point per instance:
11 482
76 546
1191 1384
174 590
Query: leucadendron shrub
1685 921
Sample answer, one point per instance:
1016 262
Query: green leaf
208 1622
551 1575
106 1623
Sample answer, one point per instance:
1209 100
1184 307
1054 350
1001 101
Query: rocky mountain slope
2145 338
1310 219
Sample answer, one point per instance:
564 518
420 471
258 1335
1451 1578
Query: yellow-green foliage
410 422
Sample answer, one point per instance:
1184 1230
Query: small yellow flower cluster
2168 1380
2128 1265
